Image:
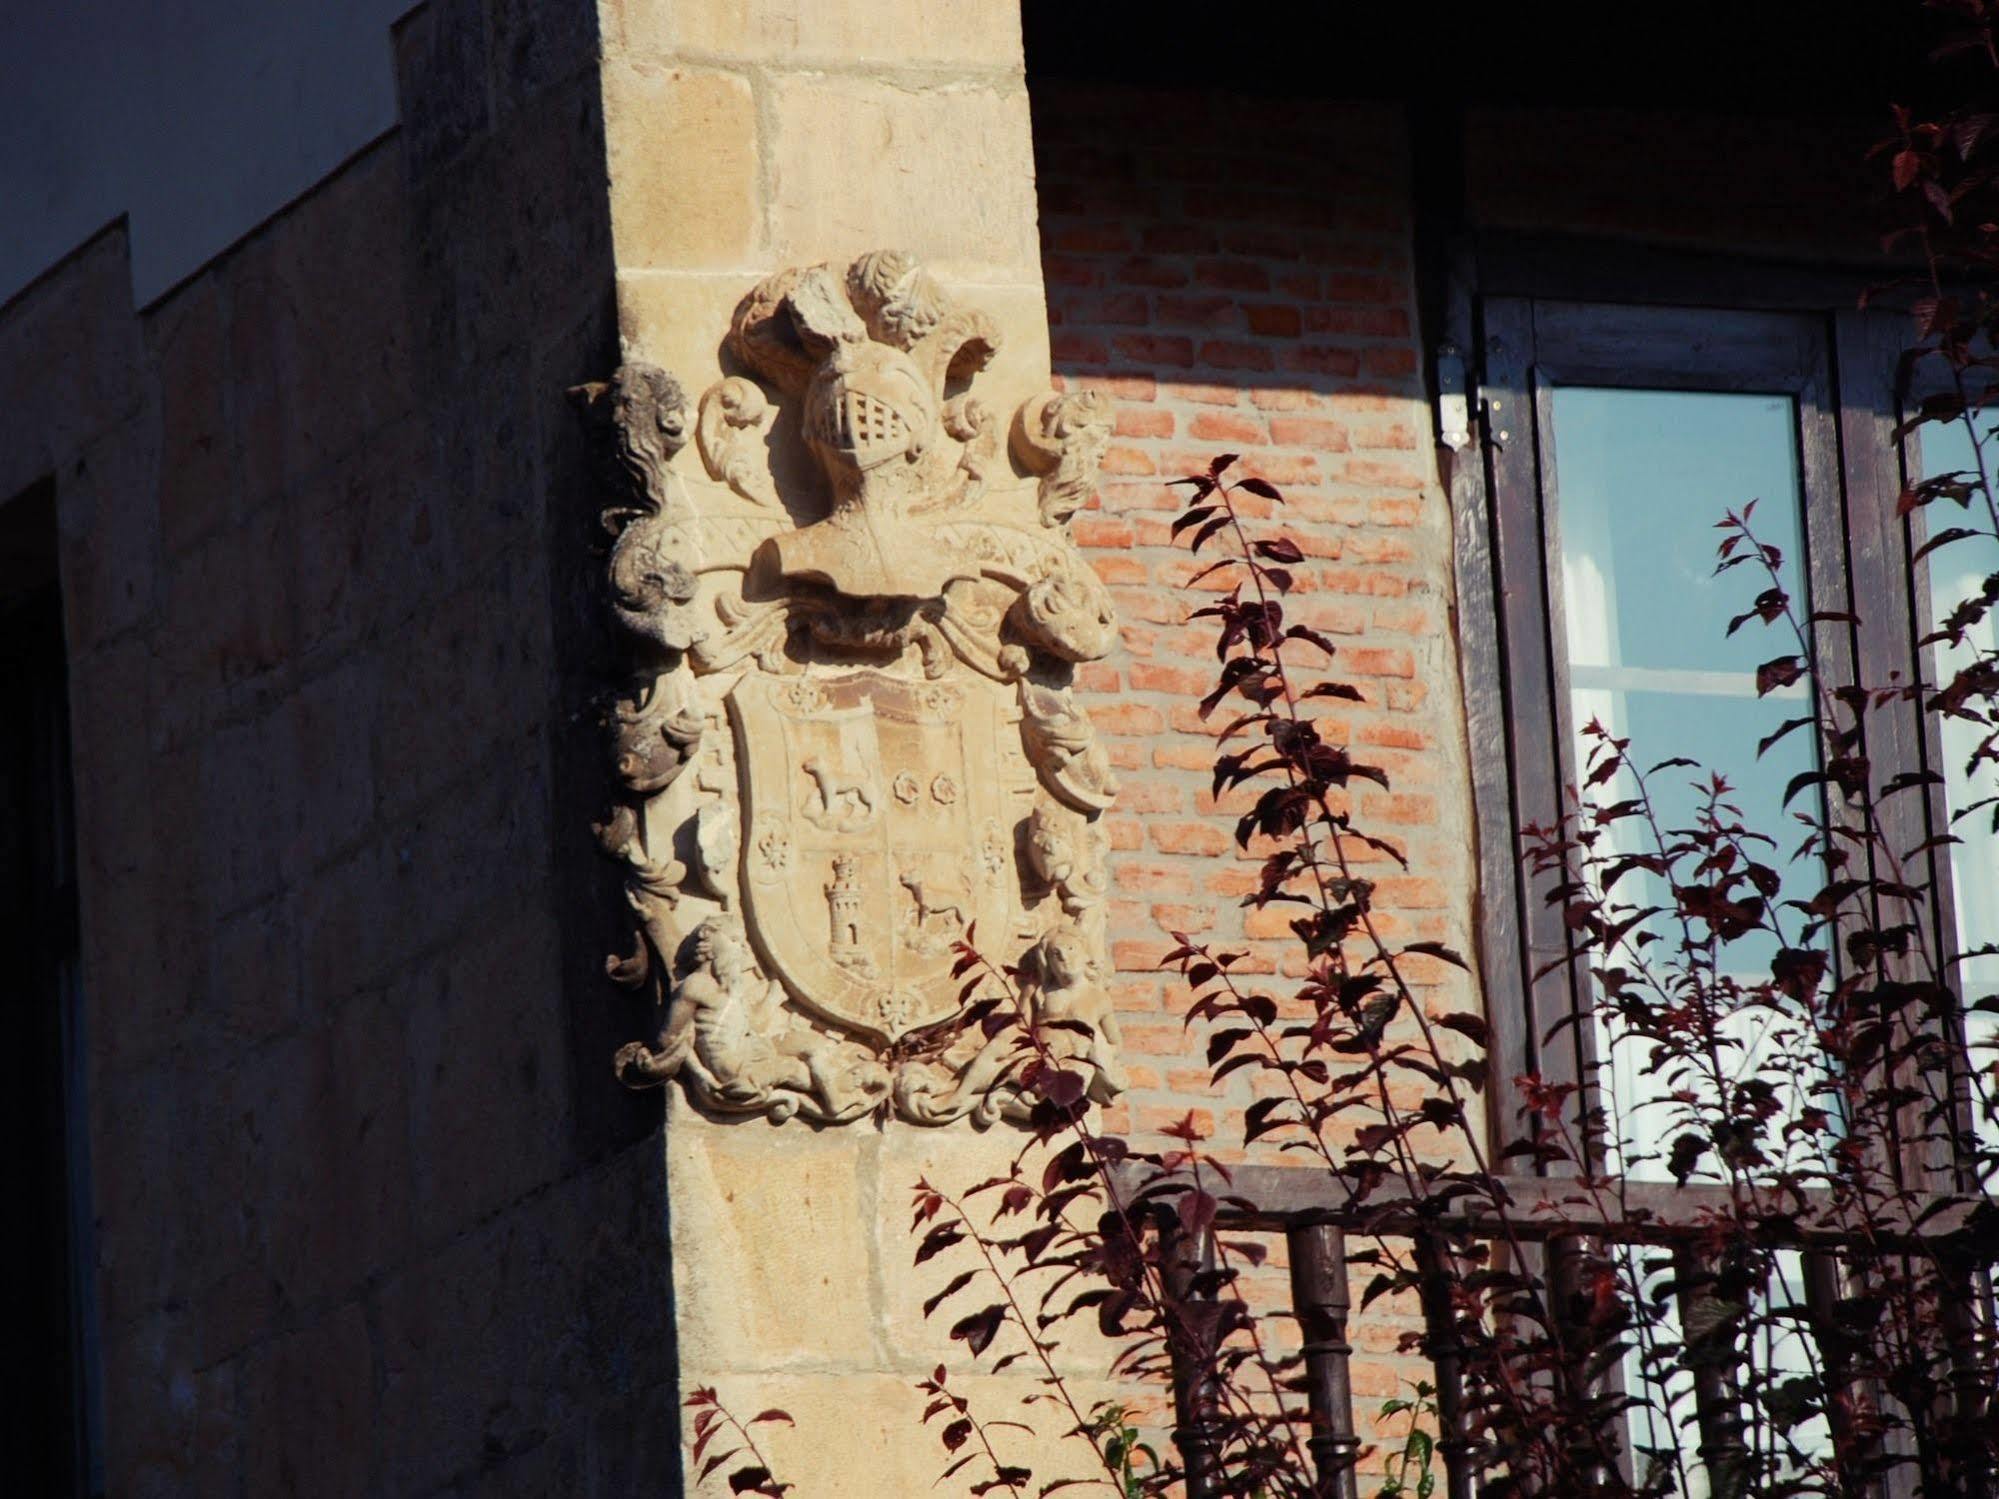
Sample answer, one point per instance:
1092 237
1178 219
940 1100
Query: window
1617 434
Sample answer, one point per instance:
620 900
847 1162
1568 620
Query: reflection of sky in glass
1957 570
1642 477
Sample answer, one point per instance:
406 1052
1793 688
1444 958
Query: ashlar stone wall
370 1217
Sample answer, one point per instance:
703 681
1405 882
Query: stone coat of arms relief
851 745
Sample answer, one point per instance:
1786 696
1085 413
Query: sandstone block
676 319
475 655
180 1433
682 155
341 1191
197 467
946 173
249 805
860 1436
900 33
442 81
350 931
952 1161
552 1306
536 46
69 357
367 538
485 1066
772 1245
336 769
110 531
342 261
252 991
307 1409
228 611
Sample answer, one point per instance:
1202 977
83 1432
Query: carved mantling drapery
850 743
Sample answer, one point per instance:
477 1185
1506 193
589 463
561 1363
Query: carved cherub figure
1072 1010
726 1027
1073 1021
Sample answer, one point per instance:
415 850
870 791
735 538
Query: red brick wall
1236 275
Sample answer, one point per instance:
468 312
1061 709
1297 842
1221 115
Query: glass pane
1642 478
1958 571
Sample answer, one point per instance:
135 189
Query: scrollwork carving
1062 744
1068 854
1068 615
652 737
730 431
1063 437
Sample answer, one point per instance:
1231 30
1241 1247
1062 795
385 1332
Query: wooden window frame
1914 385
1579 311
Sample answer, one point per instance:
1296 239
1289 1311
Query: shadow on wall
373 1215
1236 275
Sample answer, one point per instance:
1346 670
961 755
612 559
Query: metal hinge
1459 394
1453 398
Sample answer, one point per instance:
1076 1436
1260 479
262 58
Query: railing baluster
1569 1301
1433 1266
1192 1320
1713 1354
1835 1345
1970 1392
1320 1297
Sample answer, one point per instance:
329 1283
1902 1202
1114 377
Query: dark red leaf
978 1330
1780 671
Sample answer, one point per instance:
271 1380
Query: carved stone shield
876 836
892 632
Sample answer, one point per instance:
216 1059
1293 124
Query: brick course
1235 275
